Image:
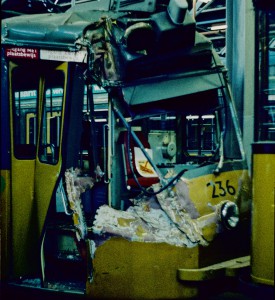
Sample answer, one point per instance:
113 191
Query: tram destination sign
42 54
79 56
21 52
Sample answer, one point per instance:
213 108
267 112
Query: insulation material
180 210
169 217
144 222
75 186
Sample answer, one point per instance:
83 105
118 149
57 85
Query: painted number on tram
221 188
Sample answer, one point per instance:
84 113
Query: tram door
36 122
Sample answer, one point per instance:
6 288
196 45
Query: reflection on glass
51 118
25 99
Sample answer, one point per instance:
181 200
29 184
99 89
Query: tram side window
177 138
99 114
25 98
51 117
201 134
265 105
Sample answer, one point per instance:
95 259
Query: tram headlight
229 214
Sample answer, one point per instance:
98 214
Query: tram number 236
221 188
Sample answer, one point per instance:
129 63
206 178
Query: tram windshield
182 130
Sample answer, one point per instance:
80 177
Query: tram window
265 105
99 115
25 97
201 134
177 138
51 117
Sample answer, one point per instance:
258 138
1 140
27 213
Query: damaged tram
123 173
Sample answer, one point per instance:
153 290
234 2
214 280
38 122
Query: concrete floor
23 293
237 289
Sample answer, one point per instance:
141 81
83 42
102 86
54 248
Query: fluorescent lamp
218 27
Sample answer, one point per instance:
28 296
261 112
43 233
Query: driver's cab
154 142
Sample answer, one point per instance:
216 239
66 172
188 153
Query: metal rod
136 139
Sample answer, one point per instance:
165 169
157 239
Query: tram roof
169 86
50 30
70 31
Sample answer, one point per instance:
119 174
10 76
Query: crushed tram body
123 169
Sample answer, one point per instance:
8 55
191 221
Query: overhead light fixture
218 27
192 117
208 117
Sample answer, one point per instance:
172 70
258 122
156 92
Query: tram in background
263 154
123 173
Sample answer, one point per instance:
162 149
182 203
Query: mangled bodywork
179 216
164 169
